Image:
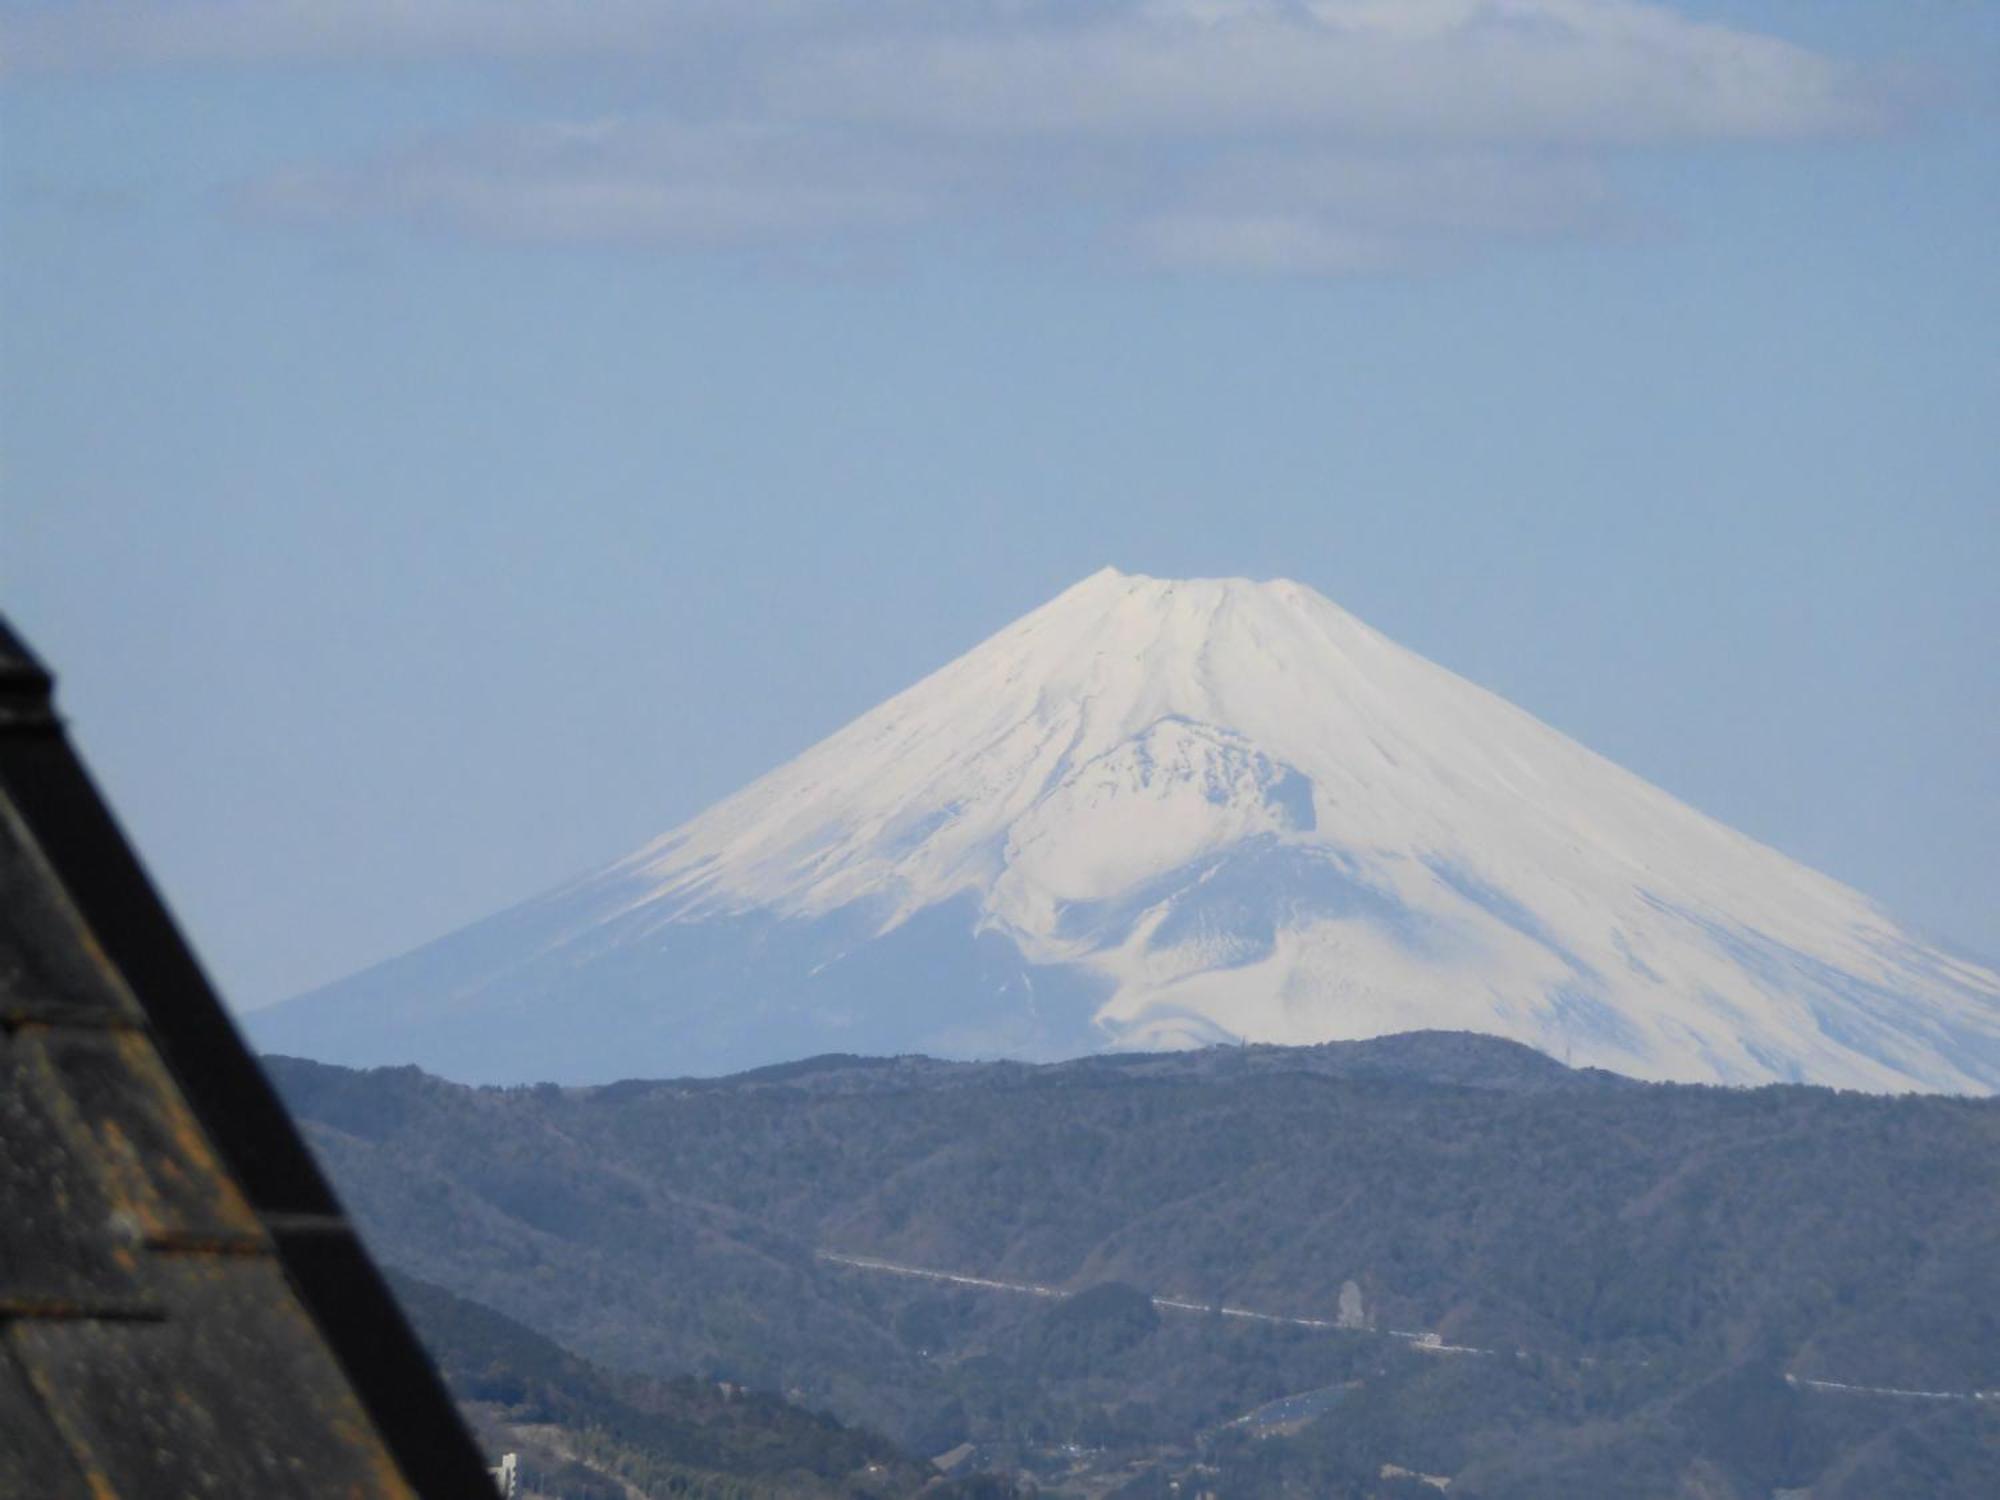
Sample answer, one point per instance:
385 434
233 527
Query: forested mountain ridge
1651 1261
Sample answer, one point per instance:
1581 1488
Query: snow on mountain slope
1157 813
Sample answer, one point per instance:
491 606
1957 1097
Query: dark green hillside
1649 1263
680 1436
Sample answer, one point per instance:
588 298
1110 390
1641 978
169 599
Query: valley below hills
1356 1269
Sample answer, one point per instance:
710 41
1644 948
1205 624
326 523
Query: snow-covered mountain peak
1161 811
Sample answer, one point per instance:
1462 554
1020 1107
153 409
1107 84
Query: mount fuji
1156 814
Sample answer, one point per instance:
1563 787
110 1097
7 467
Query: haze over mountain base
1157 814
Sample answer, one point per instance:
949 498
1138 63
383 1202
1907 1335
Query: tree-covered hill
590 1432
1648 1263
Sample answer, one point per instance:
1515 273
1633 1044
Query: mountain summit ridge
1157 813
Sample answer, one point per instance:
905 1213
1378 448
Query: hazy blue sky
447 442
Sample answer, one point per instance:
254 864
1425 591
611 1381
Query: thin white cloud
87 35
1321 213
1271 241
1297 135
649 182
1596 71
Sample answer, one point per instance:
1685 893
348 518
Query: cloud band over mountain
1322 137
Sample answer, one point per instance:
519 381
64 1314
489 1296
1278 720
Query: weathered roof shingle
184 1310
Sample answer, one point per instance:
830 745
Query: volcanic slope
1158 813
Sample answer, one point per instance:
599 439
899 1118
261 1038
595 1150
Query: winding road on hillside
1427 1342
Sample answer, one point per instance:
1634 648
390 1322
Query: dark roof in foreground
184 1309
